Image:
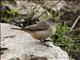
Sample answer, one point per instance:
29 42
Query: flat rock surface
22 46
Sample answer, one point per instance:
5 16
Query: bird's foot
45 40
45 44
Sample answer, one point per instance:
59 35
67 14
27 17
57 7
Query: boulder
22 46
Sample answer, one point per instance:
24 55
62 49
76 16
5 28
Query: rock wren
42 30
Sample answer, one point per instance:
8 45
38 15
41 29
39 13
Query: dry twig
74 23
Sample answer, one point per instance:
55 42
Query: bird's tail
17 28
22 29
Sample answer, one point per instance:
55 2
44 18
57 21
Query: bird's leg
46 40
43 42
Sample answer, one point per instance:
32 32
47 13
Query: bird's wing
37 27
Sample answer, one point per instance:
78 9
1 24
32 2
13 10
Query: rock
26 7
73 6
22 46
14 58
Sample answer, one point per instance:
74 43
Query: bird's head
53 21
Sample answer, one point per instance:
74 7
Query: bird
42 30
